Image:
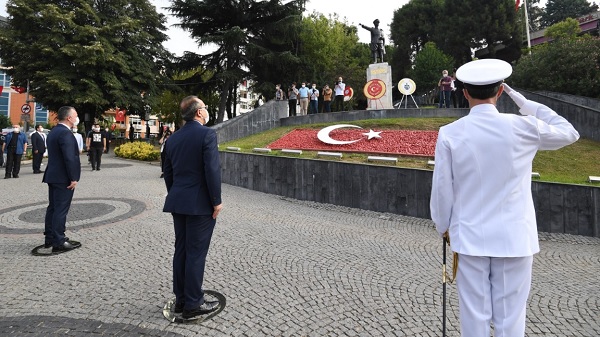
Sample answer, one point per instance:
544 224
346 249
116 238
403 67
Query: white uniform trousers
493 289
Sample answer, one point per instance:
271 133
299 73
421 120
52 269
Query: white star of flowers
372 134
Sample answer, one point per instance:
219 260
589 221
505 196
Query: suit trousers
13 162
192 240
339 103
37 160
56 214
493 289
96 156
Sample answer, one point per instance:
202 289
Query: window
151 122
4 103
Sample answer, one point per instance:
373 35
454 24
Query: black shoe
98 169
15 176
7 177
37 172
68 245
93 169
47 245
178 307
205 308
162 175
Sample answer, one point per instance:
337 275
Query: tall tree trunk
223 101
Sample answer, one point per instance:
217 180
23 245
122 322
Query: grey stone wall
560 208
258 120
589 102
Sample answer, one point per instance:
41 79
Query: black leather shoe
205 308
68 245
7 177
178 307
15 176
98 169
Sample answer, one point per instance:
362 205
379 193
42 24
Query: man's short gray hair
189 107
63 112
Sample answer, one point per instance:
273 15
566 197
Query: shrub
137 150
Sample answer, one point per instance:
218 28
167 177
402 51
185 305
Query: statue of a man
377 41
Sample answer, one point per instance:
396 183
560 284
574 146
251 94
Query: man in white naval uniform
481 195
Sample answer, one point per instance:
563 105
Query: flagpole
527 27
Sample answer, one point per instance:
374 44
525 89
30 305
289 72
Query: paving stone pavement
287 267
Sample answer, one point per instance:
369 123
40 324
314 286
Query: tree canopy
90 54
558 10
247 33
428 67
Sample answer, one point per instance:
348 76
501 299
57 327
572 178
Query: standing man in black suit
192 173
61 175
38 142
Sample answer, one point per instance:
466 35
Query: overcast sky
354 11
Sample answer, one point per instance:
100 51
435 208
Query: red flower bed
399 142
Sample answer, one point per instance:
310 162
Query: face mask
314 87
16 130
96 129
207 119
76 121
303 86
41 130
74 130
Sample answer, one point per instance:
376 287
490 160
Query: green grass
572 164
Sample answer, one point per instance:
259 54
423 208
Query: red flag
517 4
120 116
20 90
1 88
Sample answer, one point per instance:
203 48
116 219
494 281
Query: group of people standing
308 98
451 90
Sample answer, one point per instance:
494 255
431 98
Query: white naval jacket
481 188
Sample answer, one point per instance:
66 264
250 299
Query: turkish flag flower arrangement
397 142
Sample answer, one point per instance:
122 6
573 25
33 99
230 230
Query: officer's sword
444 288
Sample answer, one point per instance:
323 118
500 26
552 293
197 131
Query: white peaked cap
484 72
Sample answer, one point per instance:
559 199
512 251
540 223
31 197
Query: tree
485 25
558 10
413 25
428 67
93 55
567 29
239 28
570 66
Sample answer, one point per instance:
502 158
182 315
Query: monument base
382 74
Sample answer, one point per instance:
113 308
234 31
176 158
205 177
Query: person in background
292 99
14 147
38 143
481 197
339 88
79 139
131 132
314 99
303 94
279 96
327 93
162 142
96 145
108 135
445 85
193 180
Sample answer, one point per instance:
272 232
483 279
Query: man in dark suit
38 142
192 174
61 175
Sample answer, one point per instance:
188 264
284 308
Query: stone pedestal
383 73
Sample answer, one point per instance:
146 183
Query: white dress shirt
481 189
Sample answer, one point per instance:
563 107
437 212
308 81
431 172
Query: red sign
25 109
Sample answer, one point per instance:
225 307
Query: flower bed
397 142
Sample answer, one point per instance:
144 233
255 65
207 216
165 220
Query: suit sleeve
442 193
212 167
167 167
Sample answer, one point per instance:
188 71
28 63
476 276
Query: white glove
519 99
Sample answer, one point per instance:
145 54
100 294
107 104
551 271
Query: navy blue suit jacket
63 157
37 142
192 171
